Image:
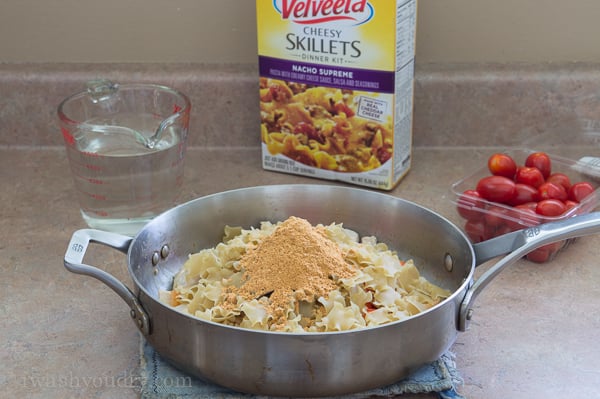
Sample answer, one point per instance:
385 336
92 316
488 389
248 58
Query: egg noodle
292 276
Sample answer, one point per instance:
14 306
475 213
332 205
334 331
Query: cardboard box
336 88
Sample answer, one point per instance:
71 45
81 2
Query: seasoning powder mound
297 262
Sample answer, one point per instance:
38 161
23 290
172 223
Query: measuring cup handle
73 262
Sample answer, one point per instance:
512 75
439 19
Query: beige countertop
534 333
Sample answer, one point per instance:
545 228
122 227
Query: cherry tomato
470 206
530 176
551 190
476 230
540 255
579 191
525 193
523 215
495 216
501 230
560 179
528 205
540 160
555 246
502 165
496 189
570 205
551 207
545 253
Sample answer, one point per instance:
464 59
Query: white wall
224 31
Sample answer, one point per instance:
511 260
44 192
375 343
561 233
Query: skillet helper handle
518 244
73 262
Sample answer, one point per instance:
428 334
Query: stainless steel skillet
309 364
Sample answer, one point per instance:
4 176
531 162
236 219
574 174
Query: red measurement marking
91 154
69 139
95 196
98 197
95 181
176 108
93 167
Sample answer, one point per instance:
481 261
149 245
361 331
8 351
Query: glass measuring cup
126 146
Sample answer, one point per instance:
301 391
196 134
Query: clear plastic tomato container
482 219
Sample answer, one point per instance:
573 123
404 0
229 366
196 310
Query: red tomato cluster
518 196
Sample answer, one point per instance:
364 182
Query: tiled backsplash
455 105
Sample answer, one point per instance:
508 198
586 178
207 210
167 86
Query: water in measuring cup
121 183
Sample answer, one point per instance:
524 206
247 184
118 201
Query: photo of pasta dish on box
319 126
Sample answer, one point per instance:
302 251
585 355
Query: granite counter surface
534 332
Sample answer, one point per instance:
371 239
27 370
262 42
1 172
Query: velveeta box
336 88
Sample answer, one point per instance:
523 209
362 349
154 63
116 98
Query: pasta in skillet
292 276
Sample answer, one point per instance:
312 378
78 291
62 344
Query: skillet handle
518 244
73 262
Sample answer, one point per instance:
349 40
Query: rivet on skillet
448 262
155 258
469 314
164 251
